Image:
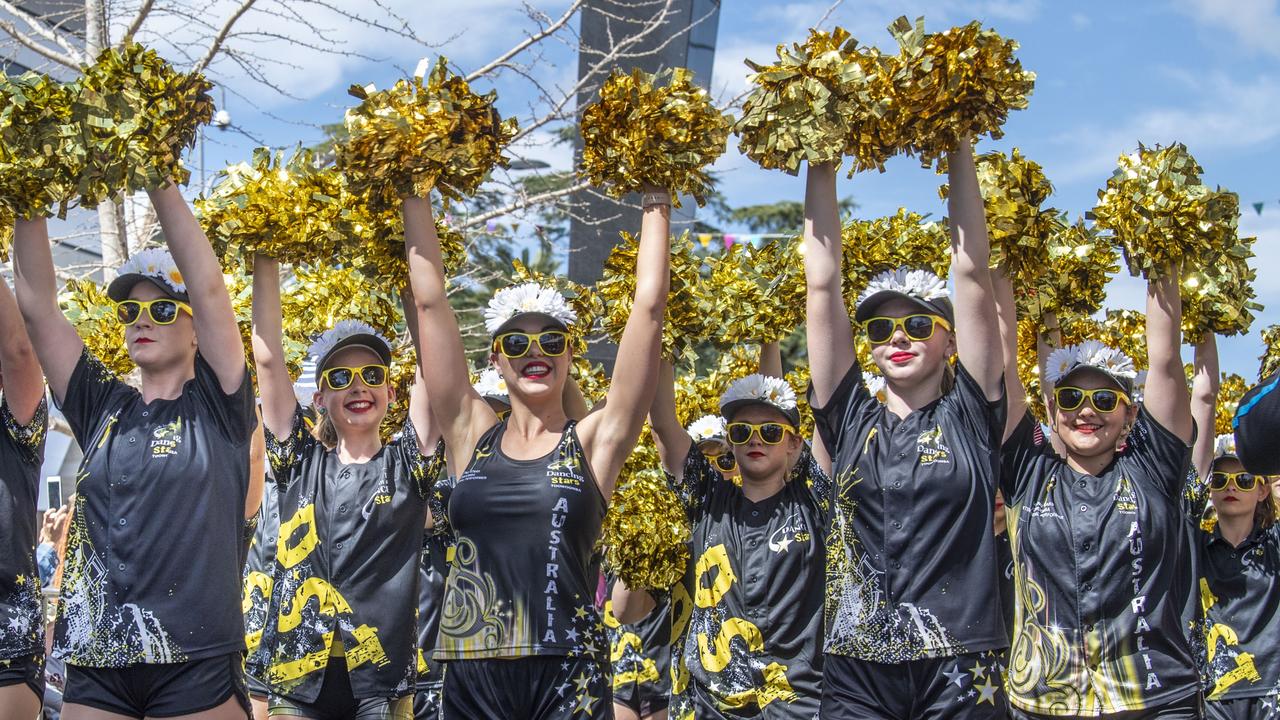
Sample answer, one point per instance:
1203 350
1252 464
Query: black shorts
543 687
160 690
1255 708
258 690
1189 708
426 701
968 687
642 698
337 702
27 669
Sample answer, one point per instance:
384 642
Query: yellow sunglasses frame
755 430
145 306
901 322
355 373
533 338
1088 396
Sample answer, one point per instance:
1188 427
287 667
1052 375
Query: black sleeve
93 392
285 454
695 481
1161 456
1257 425
438 501
29 438
1020 456
982 418
841 411
233 414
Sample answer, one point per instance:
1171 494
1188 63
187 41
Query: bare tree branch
522 203
138 19
528 41
48 53
221 37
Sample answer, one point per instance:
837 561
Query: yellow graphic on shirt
257 594
726 646
474 620
328 603
165 439
291 551
931 449
1222 673
106 430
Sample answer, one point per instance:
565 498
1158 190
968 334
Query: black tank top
522 577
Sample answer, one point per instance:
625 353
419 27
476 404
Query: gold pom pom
1160 213
136 116
291 210
1269 361
645 535
1013 189
821 100
40 158
905 239
757 294
87 307
685 321
1124 330
584 301
1074 281
956 84
422 134
1029 366
1217 286
314 299
1231 389
374 242
643 133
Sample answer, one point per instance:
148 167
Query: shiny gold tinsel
591 379
422 134
404 364
1013 189
584 301
1217 289
1160 213
698 394
1269 361
686 320
1029 366
87 307
374 242
642 133
1232 387
291 210
799 379
1125 330
886 243
645 535
955 84
758 293
1078 266
39 158
316 298
136 116
820 101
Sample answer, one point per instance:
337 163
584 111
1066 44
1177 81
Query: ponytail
324 431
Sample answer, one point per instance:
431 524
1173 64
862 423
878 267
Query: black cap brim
366 340
548 321
730 409
120 287
940 307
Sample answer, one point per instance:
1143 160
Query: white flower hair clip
157 264
874 383
340 331
760 388
920 284
491 384
707 427
1224 445
1089 353
527 298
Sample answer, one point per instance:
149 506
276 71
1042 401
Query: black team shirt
154 551
346 565
912 570
747 617
21 452
1101 576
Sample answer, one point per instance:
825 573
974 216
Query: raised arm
424 422
1204 404
1007 316
23 380
771 359
274 385
257 470
214 320
830 335
463 414
54 338
977 330
671 438
1166 397
610 433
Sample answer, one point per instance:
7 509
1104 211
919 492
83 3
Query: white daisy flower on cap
1224 446
707 427
763 390
491 384
920 284
874 383
154 264
1092 354
525 299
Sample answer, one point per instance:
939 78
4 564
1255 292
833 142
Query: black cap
120 288
940 307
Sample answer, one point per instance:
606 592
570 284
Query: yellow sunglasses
340 378
163 311
771 433
919 327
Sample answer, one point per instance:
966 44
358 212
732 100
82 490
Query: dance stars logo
930 448
166 439
793 531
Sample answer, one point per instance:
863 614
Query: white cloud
1226 115
1080 20
1255 24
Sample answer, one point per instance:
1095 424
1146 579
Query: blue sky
1111 74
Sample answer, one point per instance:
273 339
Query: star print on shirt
583 682
572 635
955 675
987 691
978 670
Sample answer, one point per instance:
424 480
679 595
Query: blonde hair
324 430
1267 512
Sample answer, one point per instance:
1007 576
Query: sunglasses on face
551 343
340 378
724 461
162 311
916 327
771 433
1104 400
1244 481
